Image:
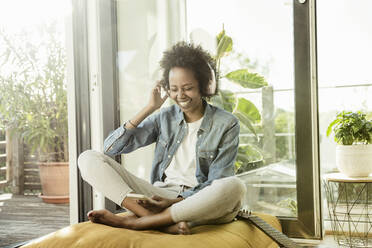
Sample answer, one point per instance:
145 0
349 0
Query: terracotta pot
54 177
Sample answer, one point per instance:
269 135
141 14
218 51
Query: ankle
127 222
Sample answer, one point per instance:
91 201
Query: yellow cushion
236 234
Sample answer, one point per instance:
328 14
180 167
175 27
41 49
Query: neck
195 115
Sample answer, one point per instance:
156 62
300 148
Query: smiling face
184 90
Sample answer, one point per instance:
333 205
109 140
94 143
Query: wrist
178 199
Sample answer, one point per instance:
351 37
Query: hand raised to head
156 98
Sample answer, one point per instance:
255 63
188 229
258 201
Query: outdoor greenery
290 204
33 100
284 123
351 128
247 113
2 151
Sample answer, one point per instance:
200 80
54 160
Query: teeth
183 104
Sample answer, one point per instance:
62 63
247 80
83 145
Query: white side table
350 209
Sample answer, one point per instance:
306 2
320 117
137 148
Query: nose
180 93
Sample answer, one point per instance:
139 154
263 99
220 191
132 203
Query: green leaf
247 108
220 35
247 79
329 129
225 99
228 100
29 117
246 122
249 153
247 158
224 46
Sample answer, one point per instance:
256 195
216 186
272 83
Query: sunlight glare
6 196
16 15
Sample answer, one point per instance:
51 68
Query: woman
196 146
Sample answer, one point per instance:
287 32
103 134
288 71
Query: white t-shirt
182 168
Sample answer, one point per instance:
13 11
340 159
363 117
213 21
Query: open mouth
184 104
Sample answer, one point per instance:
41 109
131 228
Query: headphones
212 83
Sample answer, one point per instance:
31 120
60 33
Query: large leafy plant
242 108
33 100
351 128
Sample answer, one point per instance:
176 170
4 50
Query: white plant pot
354 160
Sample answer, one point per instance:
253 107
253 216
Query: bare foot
183 228
178 228
107 218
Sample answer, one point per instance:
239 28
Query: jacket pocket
208 155
205 160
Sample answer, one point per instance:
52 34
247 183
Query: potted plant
353 134
33 103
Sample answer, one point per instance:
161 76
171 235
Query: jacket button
178 141
169 156
211 156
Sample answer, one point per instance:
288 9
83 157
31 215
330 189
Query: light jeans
214 204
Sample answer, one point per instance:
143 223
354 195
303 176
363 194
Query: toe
90 213
183 228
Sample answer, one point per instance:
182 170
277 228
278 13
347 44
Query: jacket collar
207 119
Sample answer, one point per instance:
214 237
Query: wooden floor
26 217
327 242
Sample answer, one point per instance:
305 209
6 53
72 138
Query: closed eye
183 89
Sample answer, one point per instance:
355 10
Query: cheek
173 95
194 95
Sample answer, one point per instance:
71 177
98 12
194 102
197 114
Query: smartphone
139 196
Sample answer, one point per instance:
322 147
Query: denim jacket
216 146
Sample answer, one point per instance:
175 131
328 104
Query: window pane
145 29
34 161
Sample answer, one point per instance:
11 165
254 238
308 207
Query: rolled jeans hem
121 196
174 215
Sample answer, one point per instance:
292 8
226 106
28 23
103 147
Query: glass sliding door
275 100
262 43
271 39
344 84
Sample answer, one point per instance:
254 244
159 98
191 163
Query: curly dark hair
194 58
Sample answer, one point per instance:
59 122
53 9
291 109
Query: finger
158 88
156 198
158 83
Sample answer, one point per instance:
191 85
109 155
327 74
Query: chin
184 109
